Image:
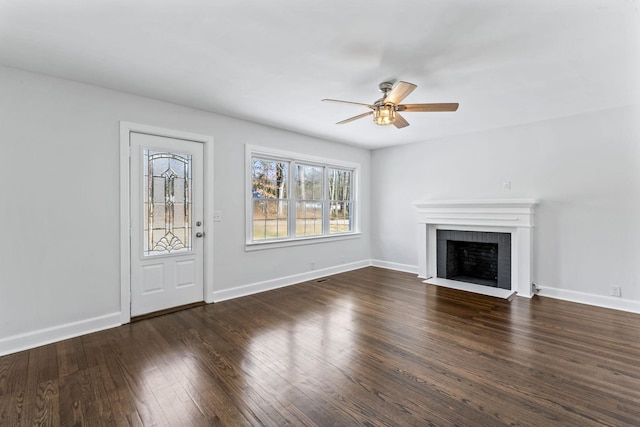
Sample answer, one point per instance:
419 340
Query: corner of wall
395 266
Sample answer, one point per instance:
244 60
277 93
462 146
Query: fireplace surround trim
514 216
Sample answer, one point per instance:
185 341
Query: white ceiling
506 62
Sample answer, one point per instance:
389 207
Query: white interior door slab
167 181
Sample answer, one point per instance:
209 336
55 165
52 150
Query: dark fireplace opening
479 257
473 262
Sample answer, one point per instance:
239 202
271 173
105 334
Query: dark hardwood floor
368 347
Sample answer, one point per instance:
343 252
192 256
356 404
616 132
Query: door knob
199 234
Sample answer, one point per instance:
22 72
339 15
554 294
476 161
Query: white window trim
270 153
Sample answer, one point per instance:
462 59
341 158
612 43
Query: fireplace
495 233
483 258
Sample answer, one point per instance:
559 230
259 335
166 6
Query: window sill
273 244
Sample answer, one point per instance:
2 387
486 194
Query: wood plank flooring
371 347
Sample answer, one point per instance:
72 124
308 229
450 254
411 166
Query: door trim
125 206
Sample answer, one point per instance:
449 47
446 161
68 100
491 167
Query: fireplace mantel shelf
490 212
478 203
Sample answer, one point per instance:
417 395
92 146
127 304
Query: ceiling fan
386 110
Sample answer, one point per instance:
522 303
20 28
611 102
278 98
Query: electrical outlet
506 185
534 288
615 291
312 265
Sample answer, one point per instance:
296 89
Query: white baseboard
280 282
395 266
591 299
572 296
20 342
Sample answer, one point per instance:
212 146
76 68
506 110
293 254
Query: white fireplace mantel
513 216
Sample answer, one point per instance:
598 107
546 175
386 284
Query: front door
166 222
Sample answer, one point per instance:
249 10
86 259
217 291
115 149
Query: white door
166 222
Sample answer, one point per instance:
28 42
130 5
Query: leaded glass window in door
167 202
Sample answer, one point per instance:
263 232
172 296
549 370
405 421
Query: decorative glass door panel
167 202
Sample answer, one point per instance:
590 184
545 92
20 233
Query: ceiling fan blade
411 108
400 122
399 92
347 102
359 116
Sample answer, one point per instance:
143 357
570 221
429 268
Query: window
340 200
296 198
269 199
309 181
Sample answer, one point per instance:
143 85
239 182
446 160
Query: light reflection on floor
296 350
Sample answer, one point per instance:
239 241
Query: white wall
585 170
59 205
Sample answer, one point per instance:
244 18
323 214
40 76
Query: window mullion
293 198
326 203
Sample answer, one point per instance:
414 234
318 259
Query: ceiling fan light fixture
384 115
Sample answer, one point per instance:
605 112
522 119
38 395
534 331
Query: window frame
293 159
